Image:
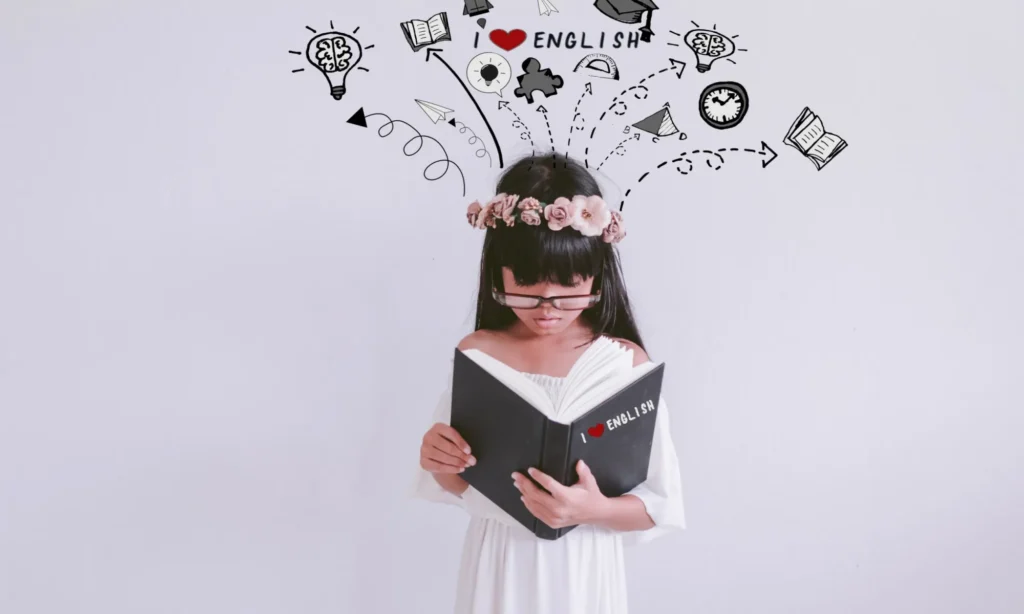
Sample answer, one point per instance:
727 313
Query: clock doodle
723 105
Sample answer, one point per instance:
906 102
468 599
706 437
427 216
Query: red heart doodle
508 40
597 430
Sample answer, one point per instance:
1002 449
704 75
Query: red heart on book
597 430
508 40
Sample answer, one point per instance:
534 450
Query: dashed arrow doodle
674 65
518 124
588 89
684 163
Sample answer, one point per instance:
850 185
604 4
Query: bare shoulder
639 355
477 340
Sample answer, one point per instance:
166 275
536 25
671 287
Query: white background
226 314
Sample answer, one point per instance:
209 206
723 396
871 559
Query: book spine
554 461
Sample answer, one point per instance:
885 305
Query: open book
421 33
604 415
808 135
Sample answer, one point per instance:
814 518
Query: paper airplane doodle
434 111
545 7
598 65
659 123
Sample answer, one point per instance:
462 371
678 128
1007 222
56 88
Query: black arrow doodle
588 89
551 136
473 140
436 53
359 119
518 124
684 157
674 65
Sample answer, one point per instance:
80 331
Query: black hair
537 253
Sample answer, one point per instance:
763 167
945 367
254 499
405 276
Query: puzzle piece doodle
535 79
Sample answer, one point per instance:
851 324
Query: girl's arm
451 482
625 513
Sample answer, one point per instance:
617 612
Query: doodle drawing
482 23
476 7
434 53
434 111
508 40
489 73
598 65
473 140
535 79
629 11
419 33
808 136
658 124
544 7
359 119
723 105
334 54
708 46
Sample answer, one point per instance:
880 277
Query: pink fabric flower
505 207
531 217
560 213
592 215
529 204
615 230
473 213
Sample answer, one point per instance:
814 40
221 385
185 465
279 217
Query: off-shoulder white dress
505 569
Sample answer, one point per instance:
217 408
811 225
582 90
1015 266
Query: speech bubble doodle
489 73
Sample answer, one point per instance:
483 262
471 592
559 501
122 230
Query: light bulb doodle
489 73
708 46
335 55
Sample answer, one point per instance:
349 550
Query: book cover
507 433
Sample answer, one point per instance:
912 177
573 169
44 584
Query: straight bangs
537 254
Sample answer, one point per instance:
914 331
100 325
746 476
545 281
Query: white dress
506 569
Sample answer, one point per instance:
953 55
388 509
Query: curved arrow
432 52
674 65
684 157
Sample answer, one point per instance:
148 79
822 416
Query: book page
420 31
438 29
806 137
825 146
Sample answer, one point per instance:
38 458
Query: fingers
535 495
549 483
453 436
437 461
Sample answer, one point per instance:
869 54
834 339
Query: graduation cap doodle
476 7
629 11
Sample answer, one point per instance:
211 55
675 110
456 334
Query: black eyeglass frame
595 298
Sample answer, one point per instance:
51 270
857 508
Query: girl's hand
444 450
581 503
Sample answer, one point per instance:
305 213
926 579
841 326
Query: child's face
546 320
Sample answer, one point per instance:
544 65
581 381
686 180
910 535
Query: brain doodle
333 54
708 43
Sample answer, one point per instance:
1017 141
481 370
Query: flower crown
589 215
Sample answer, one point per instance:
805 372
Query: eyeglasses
565 303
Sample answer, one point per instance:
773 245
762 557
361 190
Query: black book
507 433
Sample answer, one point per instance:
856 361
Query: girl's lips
546 321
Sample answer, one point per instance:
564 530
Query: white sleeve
662 492
424 485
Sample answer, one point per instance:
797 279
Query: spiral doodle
387 128
473 140
616 102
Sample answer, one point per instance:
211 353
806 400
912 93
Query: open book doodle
603 414
421 33
808 136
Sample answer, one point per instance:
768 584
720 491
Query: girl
551 291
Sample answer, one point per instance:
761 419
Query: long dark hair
536 253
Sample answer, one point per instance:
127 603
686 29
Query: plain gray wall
226 314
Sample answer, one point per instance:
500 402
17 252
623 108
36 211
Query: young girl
551 292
